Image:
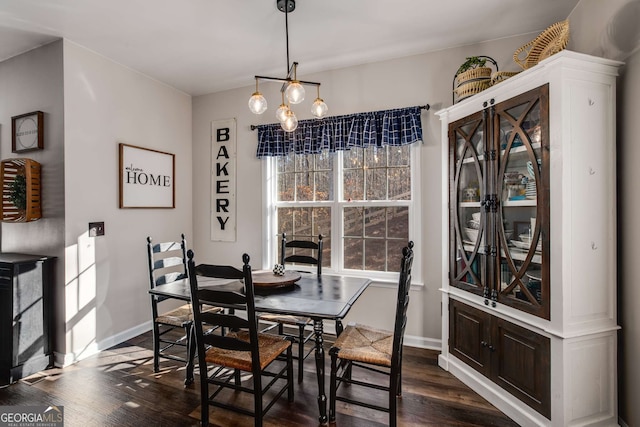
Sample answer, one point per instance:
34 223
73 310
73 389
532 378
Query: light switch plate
96 229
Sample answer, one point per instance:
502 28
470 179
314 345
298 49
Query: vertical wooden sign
223 180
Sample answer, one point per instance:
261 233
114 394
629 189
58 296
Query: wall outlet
96 229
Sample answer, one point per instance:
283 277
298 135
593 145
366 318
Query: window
362 201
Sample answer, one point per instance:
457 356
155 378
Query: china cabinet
529 314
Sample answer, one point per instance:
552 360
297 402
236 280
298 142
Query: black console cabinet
26 285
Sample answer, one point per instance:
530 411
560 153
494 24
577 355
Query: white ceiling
205 46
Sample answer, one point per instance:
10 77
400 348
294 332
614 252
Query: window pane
304 186
375 255
375 222
302 222
353 222
375 157
322 222
399 156
304 162
353 253
286 186
324 161
394 254
398 223
376 184
399 184
285 220
354 184
353 158
324 186
286 164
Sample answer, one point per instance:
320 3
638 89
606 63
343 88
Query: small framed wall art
146 178
27 132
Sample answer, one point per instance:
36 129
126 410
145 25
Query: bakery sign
146 178
223 180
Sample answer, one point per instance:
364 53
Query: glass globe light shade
257 103
294 92
290 123
319 108
281 112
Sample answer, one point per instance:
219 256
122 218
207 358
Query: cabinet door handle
492 348
484 344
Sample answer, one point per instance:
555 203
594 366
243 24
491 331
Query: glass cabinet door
521 129
467 188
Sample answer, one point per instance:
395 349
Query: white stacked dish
525 243
530 191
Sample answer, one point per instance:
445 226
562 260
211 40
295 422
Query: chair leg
394 386
339 328
236 376
300 353
204 395
290 391
191 352
393 409
257 400
156 347
332 388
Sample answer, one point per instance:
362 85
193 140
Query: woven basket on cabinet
12 172
550 41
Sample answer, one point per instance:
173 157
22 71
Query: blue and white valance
400 126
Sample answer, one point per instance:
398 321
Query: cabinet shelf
514 150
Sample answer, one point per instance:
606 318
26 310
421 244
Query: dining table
324 297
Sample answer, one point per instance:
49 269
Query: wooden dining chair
308 247
240 349
374 350
168 263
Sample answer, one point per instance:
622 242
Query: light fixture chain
286 30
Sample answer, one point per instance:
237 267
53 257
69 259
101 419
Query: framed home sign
147 178
27 132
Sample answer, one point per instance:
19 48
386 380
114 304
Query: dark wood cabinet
25 315
515 358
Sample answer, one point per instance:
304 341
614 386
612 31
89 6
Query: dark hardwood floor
119 388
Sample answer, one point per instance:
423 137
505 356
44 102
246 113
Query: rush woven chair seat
168 263
303 256
375 350
223 357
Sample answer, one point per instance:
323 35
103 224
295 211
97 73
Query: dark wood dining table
326 297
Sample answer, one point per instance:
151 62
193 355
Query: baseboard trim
65 359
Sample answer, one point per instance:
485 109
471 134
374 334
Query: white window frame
271 239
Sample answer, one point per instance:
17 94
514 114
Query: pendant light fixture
292 89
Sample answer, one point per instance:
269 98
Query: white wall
106 280
30 82
416 80
628 236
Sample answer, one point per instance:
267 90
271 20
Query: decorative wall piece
223 180
21 201
27 132
146 178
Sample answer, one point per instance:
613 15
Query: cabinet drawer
515 358
522 364
469 329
